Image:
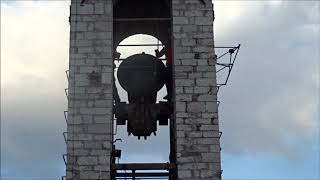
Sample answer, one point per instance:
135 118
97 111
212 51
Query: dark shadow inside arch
132 17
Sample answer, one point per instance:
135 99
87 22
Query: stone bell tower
96 29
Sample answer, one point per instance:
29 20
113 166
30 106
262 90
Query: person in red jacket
167 51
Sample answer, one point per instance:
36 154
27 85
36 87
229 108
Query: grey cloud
31 129
271 97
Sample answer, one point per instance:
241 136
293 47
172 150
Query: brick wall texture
89 122
196 111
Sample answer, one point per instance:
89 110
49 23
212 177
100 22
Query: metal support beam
140 19
140 45
143 166
147 174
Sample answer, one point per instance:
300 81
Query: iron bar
67 74
65 116
121 45
222 47
222 84
223 55
64 158
221 69
142 174
143 166
224 64
122 59
140 19
66 90
156 178
218 88
65 137
234 59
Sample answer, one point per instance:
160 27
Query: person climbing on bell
167 51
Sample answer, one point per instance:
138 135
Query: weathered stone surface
89 175
90 105
180 106
180 20
87 160
198 147
196 107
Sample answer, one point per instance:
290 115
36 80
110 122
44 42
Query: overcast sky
269 113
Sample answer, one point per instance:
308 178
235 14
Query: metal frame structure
226 66
146 170
134 167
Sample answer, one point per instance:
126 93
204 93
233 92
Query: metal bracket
218 103
233 52
66 90
65 113
67 74
65 137
64 159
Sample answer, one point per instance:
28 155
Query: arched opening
143 44
142 37
133 150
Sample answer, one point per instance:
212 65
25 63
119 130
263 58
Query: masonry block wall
198 147
89 122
